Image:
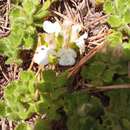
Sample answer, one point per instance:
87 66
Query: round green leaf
23 126
115 21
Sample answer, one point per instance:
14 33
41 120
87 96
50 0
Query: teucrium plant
119 19
118 11
20 98
23 20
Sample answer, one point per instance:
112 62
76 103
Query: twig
4 74
4 29
97 20
10 125
3 124
96 43
104 29
59 14
93 89
87 5
99 36
15 71
7 12
68 10
39 69
31 65
79 13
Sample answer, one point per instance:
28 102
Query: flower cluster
66 55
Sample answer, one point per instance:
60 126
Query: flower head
67 57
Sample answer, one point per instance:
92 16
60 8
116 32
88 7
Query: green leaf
47 87
126 50
49 76
41 125
121 6
115 21
62 79
57 93
59 40
126 124
27 76
108 7
93 71
41 14
40 107
127 17
44 10
14 14
23 126
3 46
28 41
2 109
29 6
115 39
108 75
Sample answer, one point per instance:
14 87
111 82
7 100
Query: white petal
41 58
41 49
67 51
72 52
84 36
50 27
66 61
67 57
80 42
41 55
57 27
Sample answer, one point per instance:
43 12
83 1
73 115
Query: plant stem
92 89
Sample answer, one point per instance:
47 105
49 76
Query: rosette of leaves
106 69
20 98
118 11
24 18
118 18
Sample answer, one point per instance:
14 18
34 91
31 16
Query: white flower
41 56
80 42
67 57
50 27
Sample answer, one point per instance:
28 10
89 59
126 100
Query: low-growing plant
106 68
118 11
24 19
49 96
